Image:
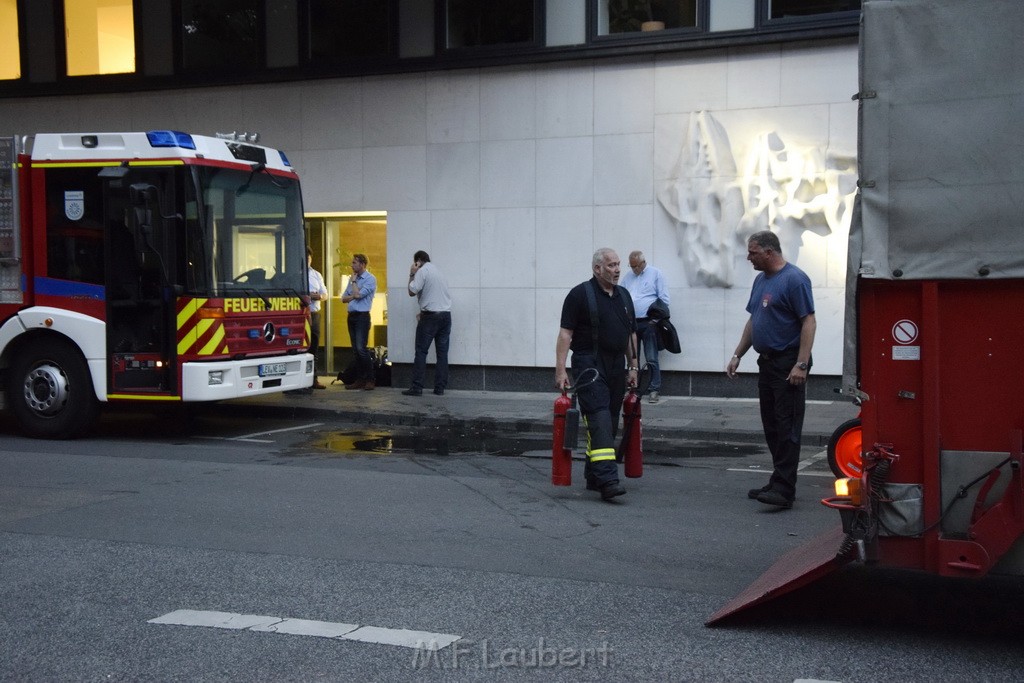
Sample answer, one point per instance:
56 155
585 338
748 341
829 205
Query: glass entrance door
334 238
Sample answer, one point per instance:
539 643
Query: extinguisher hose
587 377
643 380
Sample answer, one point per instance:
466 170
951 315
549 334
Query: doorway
334 238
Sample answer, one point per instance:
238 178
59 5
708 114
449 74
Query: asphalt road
285 535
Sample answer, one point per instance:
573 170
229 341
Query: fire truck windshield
246 227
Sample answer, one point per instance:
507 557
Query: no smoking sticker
904 332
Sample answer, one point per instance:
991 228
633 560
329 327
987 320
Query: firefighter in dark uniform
614 358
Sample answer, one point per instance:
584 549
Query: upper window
10 48
100 37
221 35
202 42
344 29
635 16
472 23
789 9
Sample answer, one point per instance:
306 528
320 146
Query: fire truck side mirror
143 220
139 194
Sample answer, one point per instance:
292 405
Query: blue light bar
170 138
284 159
254 334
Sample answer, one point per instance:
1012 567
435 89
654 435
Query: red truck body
935 286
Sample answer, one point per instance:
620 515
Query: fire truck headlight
849 488
309 367
216 377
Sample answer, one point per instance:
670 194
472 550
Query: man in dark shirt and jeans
615 338
781 329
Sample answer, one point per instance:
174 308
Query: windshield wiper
256 169
259 295
248 181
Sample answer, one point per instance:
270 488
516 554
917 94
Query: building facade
509 146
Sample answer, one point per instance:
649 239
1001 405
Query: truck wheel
844 450
50 391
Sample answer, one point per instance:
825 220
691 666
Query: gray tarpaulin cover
940 144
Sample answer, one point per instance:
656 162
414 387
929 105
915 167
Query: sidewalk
705 419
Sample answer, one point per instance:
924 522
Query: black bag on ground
381 366
348 375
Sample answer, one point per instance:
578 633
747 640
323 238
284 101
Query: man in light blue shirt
359 297
646 285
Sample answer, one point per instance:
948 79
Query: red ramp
793 570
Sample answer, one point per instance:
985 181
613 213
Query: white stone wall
511 177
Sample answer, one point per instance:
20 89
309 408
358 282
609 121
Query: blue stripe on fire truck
53 287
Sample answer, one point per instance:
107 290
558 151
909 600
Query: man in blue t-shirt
781 330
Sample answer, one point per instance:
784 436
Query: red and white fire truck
151 266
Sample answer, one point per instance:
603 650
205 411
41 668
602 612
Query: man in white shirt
317 293
646 285
434 323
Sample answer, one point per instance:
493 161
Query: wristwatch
802 366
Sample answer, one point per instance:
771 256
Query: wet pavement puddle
443 443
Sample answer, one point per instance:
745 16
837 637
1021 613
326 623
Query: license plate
272 369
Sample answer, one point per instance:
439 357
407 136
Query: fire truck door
140 303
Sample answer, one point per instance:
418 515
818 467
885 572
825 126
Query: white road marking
235 438
811 460
306 627
278 431
739 399
401 637
803 464
419 640
763 472
185 617
248 438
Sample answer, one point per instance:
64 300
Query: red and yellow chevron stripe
200 330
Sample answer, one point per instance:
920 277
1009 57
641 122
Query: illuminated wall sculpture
783 187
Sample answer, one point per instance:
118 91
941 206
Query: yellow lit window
10 59
100 36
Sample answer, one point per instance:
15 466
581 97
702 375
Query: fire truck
158 267
935 290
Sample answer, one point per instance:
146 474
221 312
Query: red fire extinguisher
563 438
631 447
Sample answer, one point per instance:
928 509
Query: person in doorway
598 325
646 285
433 324
359 297
781 330
317 293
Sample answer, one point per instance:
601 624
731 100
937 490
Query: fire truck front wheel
50 391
